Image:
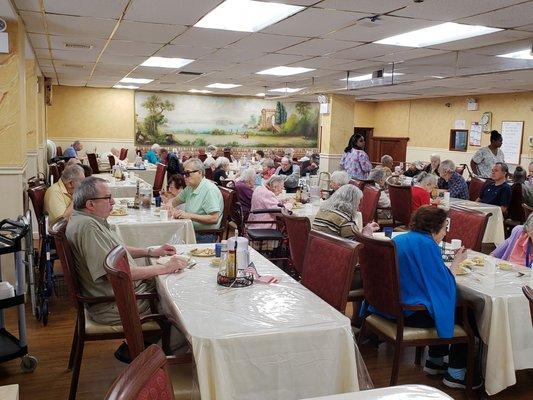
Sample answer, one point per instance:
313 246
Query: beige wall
91 113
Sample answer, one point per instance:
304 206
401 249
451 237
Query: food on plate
207 252
505 266
119 212
473 262
297 205
461 270
215 262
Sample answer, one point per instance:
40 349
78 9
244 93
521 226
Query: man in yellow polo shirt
58 197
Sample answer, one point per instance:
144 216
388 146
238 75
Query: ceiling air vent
190 73
77 66
79 46
167 83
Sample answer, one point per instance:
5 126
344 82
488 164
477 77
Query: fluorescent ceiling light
285 90
519 55
165 62
437 34
223 85
284 71
136 80
117 86
260 94
199 91
246 15
367 77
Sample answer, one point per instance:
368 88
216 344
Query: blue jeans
205 237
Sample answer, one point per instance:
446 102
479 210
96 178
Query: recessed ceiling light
437 34
519 55
284 71
136 80
223 85
367 77
117 86
260 94
285 90
165 62
199 91
246 15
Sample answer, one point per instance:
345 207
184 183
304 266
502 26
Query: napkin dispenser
242 253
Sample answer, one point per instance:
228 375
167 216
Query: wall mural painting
197 120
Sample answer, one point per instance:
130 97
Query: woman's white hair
248 175
221 162
340 177
155 147
425 177
528 225
268 162
275 179
346 199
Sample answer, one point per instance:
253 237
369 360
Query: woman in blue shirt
152 155
425 279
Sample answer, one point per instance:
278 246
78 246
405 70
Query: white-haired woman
269 168
339 214
245 189
517 248
152 155
266 197
424 184
221 170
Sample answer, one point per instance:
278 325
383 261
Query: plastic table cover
277 341
120 189
503 319
403 392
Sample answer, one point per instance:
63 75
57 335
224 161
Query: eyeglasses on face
108 198
188 173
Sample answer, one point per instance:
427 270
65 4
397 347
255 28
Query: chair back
460 169
67 262
147 377
123 154
476 186
528 291
527 210
298 229
358 183
328 268
111 159
515 211
228 196
118 273
159 178
61 167
467 225
379 273
53 171
401 200
227 154
93 162
208 172
59 151
36 195
369 203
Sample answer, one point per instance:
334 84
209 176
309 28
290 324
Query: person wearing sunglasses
91 239
203 203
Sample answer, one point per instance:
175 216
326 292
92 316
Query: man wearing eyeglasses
203 203
91 239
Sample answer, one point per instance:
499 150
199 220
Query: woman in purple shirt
354 160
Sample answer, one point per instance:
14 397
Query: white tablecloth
143 228
121 189
147 175
261 342
503 319
494 232
403 392
9 392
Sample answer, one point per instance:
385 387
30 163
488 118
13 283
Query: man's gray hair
424 177
445 166
504 166
194 164
248 175
275 179
211 148
345 199
386 159
289 152
434 156
268 162
73 172
377 175
288 159
87 190
221 162
340 177
528 225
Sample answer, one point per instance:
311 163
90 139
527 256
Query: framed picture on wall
458 139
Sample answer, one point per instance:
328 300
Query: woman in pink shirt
265 197
517 248
268 168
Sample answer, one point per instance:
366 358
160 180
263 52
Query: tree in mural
281 113
305 126
155 118
303 109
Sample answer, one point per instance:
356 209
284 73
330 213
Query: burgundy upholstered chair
202 157
123 154
228 197
369 203
53 172
476 186
515 214
159 178
328 269
298 229
93 162
358 183
59 151
381 285
528 291
467 225
111 159
61 167
208 172
401 204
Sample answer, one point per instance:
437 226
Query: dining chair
360 184
401 200
53 172
515 212
298 229
476 187
208 173
93 163
86 329
381 284
59 151
61 167
468 226
159 178
369 203
528 292
202 157
328 267
527 210
111 159
227 197
123 154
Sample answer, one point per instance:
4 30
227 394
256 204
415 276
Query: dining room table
263 341
146 173
143 227
400 392
123 188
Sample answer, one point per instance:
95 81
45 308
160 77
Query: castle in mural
197 120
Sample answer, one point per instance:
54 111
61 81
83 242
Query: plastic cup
388 231
163 214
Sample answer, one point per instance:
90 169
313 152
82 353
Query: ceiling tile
370 50
191 52
527 28
320 62
28 5
132 48
355 65
364 6
208 37
80 56
187 12
306 24
265 43
33 21
318 47
60 43
67 81
112 70
274 60
208 66
146 32
120 59
70 67
38 40
79 26
509 17
42 54
93 8
410 54
292 2
484 40
233 55
152 72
